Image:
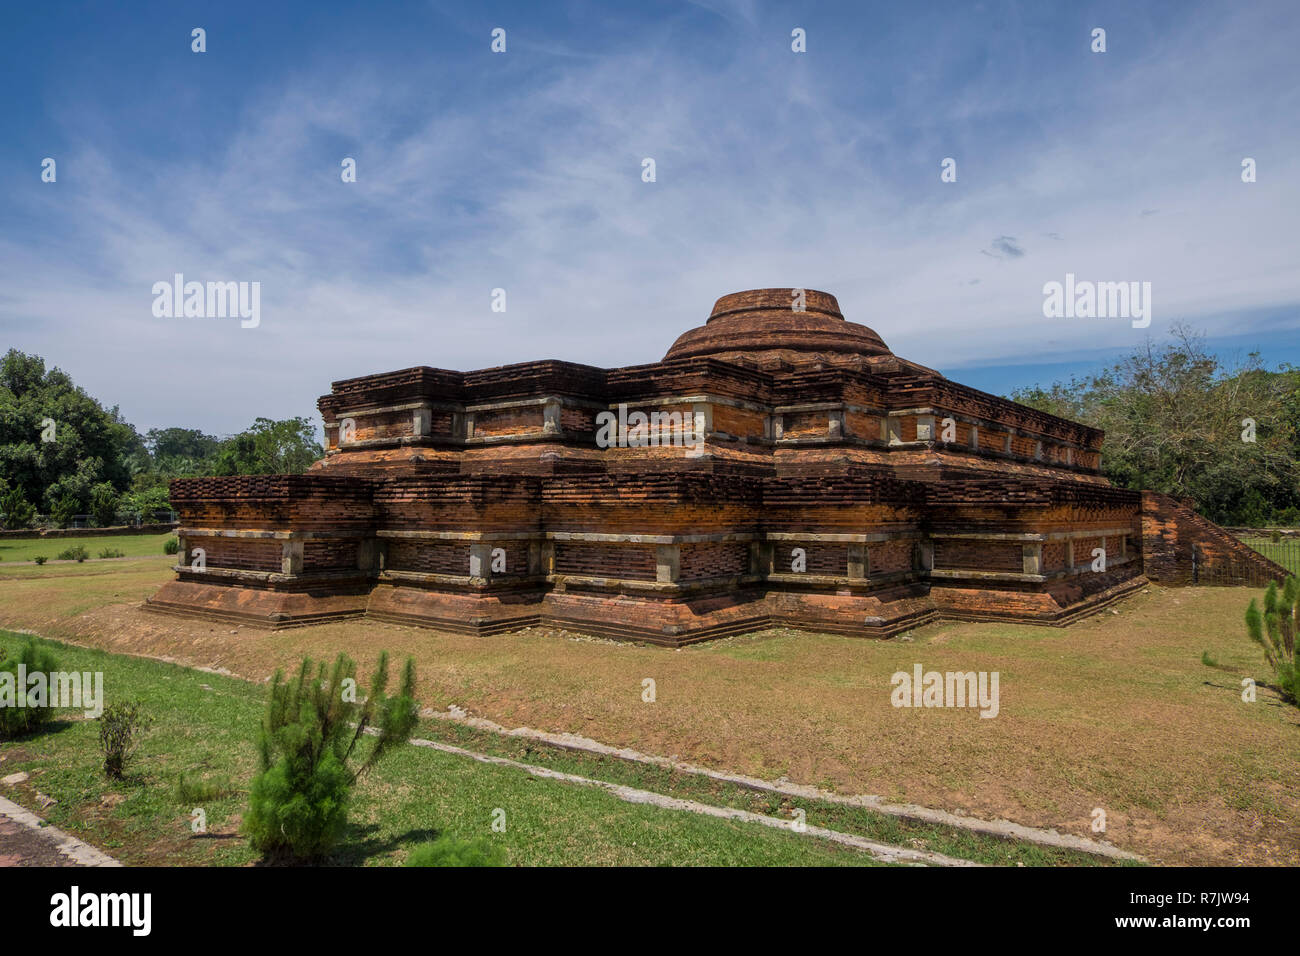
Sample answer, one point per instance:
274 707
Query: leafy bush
1275 631
314 724
64 510
75 553
449 851
15 720
120 727
171 546
17 512
112 553
104 501
40 559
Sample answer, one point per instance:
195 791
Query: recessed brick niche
799 474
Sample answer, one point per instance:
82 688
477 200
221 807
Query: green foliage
104 502
64 510
269 447
40 559
449 851
314 726
146 500
15 509
1274 630
76 553
98 464
171 546
90 444
179 445
120 728
1207 660
112 553
1174 419
14 720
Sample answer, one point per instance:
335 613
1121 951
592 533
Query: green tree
1275 631
314 725
181 443
104 503
55 440
64 510
14 508
1178 420
287 447
15 720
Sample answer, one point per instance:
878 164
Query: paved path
27 840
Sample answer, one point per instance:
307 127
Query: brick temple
779 466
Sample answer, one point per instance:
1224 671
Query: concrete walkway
27 840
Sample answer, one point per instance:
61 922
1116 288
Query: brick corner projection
778 467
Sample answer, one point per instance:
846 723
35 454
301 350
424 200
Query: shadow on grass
359 844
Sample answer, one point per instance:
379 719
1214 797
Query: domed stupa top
764 327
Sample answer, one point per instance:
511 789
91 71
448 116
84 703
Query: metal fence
1283 549
131 519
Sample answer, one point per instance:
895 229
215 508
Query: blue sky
522 171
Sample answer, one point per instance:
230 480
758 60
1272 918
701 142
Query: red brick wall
956 554
714 559
1054 556
329 555
242 554
822 557
890 556
637 562
577 419
1022 446
508 421
428 557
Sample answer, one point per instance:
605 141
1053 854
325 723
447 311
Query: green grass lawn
131 546
1285 551
204 728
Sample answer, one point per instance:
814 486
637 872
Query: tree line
1223 434
62 453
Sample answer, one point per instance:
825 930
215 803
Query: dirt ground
1115 713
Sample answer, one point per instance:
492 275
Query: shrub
40 559
1207 660
120 727
75 553
64 510
17 512
299 800
449 851
112 553
1275 631
103 503
15 720
171 546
